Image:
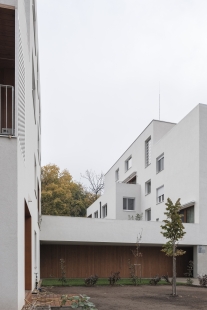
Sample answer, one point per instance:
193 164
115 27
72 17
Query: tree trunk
174 293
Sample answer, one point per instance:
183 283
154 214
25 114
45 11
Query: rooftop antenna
159 101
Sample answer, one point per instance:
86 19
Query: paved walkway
183 280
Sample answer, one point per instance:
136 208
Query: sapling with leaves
134 267
173 231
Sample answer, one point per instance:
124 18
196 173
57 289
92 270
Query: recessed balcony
7 72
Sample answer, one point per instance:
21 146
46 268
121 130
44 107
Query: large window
104 211
33 91
128 163
148 215
128 204
160 163
148 152
188 215
34 22
160 194
148 187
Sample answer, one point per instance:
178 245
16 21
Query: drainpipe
100 209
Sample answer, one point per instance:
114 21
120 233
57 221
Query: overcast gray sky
101 62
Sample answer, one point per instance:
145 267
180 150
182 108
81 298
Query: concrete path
183 280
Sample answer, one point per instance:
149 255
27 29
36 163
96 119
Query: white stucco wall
184 176
137 151
180 177
63 229
8 222
17 182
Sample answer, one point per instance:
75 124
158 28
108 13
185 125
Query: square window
148 215
104 211
148 152
160 163
128 204
160 194
117 175
148 187
128 163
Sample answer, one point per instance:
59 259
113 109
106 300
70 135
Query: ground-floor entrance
28 249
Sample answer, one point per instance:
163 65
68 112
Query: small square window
128 163
148 152
117 175
160 194
104 211
148 215
148 187
128 204
96 214
160 163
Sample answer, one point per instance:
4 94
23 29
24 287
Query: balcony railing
7 113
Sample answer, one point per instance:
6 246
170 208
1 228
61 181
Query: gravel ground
141 297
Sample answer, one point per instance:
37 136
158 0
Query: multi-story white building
20 151
166 160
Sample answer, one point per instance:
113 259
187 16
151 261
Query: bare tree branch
96 181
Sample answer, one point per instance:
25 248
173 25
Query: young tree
173 230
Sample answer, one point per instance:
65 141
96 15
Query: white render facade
174 169
20 151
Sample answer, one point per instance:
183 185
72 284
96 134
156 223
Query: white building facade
164 161
20 151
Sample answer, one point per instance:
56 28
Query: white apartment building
20 151
166 160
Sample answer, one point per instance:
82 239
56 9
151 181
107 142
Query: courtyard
141 297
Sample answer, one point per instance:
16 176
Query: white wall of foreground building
19 178
8 222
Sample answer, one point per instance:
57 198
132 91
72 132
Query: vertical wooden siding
84 260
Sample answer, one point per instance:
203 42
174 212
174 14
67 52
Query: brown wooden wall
85 260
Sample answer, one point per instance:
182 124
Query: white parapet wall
63 229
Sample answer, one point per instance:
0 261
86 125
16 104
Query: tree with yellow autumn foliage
61 195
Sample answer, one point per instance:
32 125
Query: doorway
28 249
